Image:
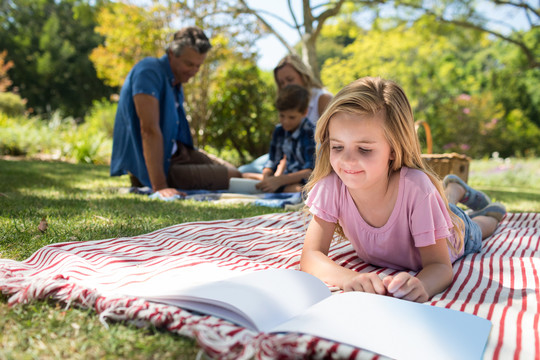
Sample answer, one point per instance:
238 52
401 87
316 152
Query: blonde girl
370 186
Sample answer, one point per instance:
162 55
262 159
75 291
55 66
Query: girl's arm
436 275
315 260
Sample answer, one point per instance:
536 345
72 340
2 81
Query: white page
262 299
395 328
166 282
243 186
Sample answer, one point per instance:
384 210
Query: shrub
101 116
11 104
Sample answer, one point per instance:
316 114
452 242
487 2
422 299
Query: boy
293 140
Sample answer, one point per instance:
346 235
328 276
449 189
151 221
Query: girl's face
359 151
287 75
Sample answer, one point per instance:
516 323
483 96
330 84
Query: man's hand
365 282
405 286
170 192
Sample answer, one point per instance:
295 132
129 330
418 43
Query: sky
271 50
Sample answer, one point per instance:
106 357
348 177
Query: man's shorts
192 169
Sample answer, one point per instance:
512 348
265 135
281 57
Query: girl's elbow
306 260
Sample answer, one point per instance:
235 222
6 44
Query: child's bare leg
488 218
254 176
454 193
293 188
487 224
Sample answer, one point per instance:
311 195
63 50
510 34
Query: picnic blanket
500 284
273 200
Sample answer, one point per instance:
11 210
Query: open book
284 300
243 186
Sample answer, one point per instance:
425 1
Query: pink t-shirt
418 219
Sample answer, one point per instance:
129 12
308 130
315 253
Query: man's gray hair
192 37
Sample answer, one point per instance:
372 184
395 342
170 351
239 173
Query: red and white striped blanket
500 284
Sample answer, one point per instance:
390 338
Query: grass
81 202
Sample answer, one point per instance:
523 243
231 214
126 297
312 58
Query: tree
453 77
48 42
308 30
465 13
243 115
132 33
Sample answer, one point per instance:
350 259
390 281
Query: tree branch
522 5
327 14
248 10
294 18
531 58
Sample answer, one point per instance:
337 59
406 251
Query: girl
370 186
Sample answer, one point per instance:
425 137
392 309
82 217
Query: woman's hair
310 81
368 96
190 36
293 97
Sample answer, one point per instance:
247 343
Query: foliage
131 33
11 104
243 117
48 42
518 86
448 73
58 138
101 117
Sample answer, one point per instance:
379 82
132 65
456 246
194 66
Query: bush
101 116
11 104
61 138
477 126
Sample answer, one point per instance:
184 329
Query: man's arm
147 108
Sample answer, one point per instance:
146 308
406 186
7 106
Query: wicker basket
444 164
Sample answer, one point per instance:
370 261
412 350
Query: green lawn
81 202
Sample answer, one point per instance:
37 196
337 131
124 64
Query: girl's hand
365 282
405 286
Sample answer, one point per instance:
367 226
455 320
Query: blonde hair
368 96
310 81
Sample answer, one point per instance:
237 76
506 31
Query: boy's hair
293 97
310 81
369 96
192 37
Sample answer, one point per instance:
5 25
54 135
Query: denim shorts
473 233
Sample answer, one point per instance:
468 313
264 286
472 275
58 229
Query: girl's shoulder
327 199
328 186
416 179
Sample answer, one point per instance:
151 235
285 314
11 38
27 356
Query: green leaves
49 42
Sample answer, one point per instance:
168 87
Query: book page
259 300
243 186
392 327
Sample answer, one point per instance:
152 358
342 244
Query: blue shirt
153 77
298 146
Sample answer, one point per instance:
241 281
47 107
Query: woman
292 70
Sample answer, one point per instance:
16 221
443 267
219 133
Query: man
152 141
